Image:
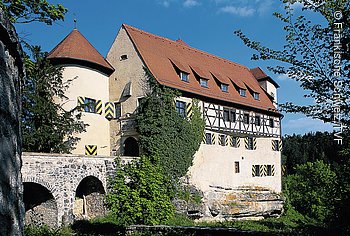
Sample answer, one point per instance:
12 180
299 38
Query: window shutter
91 150
81 103
98 107
109 110
189 110
213 139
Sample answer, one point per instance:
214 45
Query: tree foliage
164 134
26 11
308 55
138 195
311 190
46 126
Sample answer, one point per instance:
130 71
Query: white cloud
305 125
191 3
165 3
240 11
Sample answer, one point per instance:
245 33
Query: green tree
164 133
137 194
26 11
312 190
46 126
308 55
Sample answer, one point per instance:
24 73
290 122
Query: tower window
90 105
123 57
272 125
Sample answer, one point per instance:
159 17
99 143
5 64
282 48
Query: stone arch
40 205
131 147
89 198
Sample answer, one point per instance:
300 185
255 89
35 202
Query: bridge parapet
61 174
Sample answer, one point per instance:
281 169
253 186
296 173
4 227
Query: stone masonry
61 175
11 73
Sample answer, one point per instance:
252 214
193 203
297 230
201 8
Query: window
118 110
272 94
222 140
226 115
184 76
181 108
236 166
242 92
256 96
204 82
229 115
123 57
272 125
250 143
208 138
246 119
235 141
90 105
140 100
224 88
257 121
256 171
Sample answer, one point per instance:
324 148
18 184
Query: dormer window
242 92
224 87
184 76
256 96
204 82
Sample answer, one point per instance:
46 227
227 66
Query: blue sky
204 24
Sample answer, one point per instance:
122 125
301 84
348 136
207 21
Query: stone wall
68 178
11 73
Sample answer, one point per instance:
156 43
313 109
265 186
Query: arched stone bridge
59 188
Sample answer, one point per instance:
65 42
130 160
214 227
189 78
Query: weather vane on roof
75 21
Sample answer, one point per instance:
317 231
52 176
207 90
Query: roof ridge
187 46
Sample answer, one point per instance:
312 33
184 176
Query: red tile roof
162 56
75 46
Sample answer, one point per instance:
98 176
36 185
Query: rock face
11 72
219 204
249 203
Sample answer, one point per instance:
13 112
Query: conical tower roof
75 48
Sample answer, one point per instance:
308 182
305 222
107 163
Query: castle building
242 141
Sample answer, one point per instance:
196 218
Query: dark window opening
236 166
123 57
131 147
268 170
256 96
222 139
208 138
257 121
272 125
256 171
250 145
118 110
246 119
